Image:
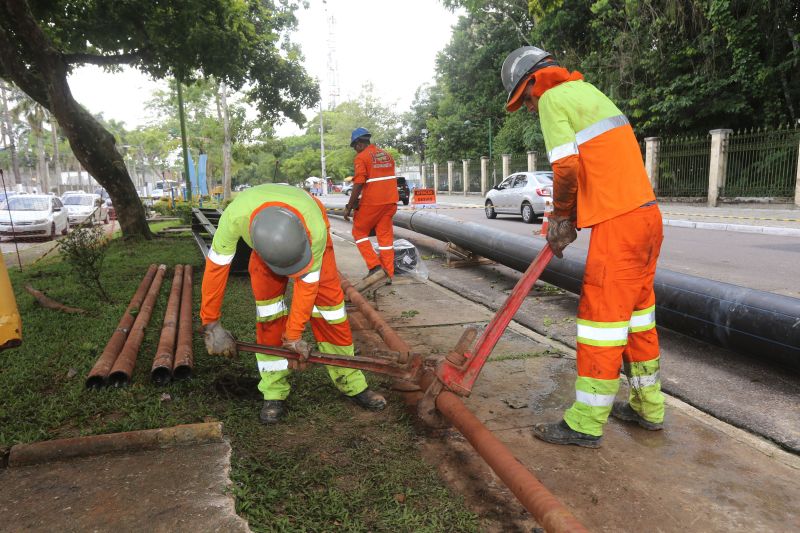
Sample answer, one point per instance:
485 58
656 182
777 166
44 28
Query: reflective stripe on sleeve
362 240
560 152
382 178
218 258
311 277
385 247
600 127
595 400
644 319
273 366
602 333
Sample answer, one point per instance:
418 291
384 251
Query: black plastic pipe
757 323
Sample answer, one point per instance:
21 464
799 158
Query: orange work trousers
328 323
616 321
378 218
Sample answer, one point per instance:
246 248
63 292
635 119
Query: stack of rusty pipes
534 496
176 361
115 364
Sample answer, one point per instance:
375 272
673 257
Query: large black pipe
758 323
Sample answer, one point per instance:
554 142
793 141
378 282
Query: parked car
522 194
82 206
33 215
347 188
403 191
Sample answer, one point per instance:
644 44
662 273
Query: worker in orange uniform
289 233
599 182
374 181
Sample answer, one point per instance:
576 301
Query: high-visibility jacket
584 130
235 224
374 168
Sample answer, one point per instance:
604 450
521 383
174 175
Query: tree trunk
45 80
226 145
56 154
8 130
41 165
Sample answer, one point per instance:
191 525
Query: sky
391 44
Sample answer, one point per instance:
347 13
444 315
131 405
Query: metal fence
495 171
518 163
683 167
474 178
442 177
458 181
761 163
542 161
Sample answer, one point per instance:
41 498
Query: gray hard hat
518 65
280 239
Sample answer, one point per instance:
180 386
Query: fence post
422 177
531 161
506 166
797 186
652 145
718 164
485 174
436 177
465 175
450 176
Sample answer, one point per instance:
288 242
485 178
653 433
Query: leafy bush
84 249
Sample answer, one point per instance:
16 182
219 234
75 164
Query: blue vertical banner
192 173
201 174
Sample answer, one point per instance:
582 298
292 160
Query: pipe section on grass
184 357
123 367
147 439
99 373
534 496
389 336
161 372
753 322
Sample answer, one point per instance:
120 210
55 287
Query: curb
147 439
739 228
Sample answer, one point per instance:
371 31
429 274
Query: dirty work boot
624 411
369 400
561 433
272 411
373 278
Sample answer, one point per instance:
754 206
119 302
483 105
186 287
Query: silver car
522 194
33 215
81 207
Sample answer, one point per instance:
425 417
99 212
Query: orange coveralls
599 177
374 169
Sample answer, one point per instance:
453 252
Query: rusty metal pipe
534 496
123 367
161 373
184 357
389 336
99 373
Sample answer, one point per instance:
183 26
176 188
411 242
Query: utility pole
183 143
322 144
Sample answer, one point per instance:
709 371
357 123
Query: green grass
329 466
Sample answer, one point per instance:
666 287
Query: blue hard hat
357 134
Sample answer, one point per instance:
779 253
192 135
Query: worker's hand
347 210
298 346
219 341
560 232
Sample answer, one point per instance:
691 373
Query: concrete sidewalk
775 219
700 474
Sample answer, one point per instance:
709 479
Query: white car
33 215
81 207
522 194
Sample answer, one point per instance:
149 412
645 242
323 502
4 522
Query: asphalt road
765 262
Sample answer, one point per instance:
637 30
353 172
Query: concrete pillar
718 165
652 145
450 165
531 161
436 177
797 186
423 182
485 175
506 166
465 175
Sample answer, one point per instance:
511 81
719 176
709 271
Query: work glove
298 346
219 341
560 232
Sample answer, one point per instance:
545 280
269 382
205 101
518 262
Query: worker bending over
599 182
374 181
290 235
